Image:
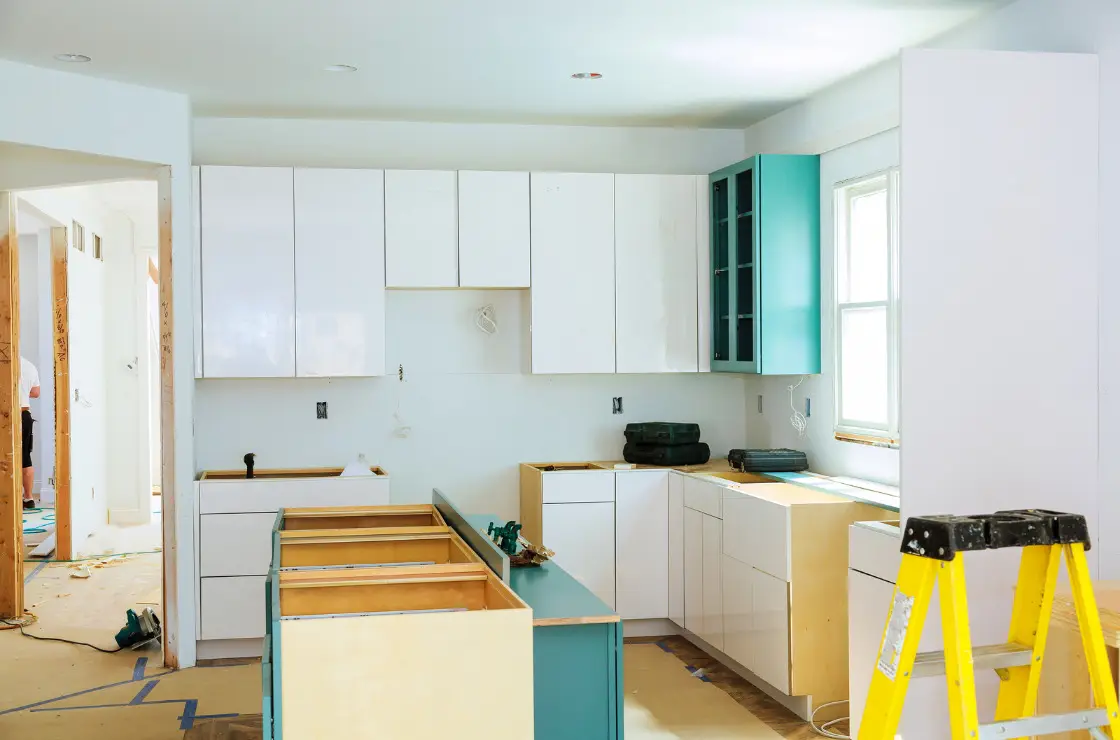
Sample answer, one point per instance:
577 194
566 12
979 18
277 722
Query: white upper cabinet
421 229
493 229
196 266
572 262
655 278
248 294
340 273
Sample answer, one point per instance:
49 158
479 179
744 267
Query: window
79 235
867 309
97 255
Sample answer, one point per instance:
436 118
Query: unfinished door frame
60 307
11 442
172 636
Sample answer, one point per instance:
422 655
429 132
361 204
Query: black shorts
28 438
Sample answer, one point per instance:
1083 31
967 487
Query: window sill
869 439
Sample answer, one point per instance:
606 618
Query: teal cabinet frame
765 266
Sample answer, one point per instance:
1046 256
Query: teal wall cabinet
765 266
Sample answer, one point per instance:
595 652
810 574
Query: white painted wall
150 127
826 454
473 410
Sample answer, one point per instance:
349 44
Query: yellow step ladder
932 552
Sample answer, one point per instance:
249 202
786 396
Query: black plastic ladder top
942 537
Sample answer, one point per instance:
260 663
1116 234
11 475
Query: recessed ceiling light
587 76
72 58
340 68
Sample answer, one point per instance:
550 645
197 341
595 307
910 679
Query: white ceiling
707 63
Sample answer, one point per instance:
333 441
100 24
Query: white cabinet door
493 229
655 273
340 273
770 636
693 571
676 548
642 544
421 227
738 612
232 608
572 273
703 495
248 280
713 586
869 600
577 487
235 544
196 266
582 535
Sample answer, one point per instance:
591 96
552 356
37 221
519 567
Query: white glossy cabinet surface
340 272
232 608
655 273
421 229
235 544
676 548
248 279
573 277
582 535
703 276
693 571
756 622
756 532
869 599
577 487
196 271
642 544
713 582
738 612
493 229
262 495
703 495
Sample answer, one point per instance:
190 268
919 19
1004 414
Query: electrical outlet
808 408
320 409
616 405
760 403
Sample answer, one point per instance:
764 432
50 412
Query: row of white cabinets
294 264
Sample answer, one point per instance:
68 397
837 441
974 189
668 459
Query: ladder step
984 657
1045 724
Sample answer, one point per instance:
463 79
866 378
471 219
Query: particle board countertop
555 597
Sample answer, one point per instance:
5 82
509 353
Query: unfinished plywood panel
361 517
60 299
171 634
304 551
11 443
455 661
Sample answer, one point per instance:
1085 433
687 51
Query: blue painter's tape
139 668
148 687
661 644
70 696
186 719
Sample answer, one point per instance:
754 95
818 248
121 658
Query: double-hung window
866 308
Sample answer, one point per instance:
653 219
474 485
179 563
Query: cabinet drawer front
703 496
756 532
578 488
235 544
874 552
269 496
232 608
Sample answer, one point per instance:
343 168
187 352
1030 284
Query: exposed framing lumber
60 297
171 632
11 443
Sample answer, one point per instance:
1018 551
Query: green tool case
662 433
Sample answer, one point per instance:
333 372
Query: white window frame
857 430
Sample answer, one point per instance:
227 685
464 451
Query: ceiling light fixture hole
587 76
72 58
340 68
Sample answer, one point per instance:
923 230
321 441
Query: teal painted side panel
273 626
617 702
575 691
789 244
266 691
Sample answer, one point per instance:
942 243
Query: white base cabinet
582 535
703 563
756 622
693 571
642 544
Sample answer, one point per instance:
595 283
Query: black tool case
662 433
768 461
685 454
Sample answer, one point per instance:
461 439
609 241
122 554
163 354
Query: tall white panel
676 548
583 537
573 273
196 269
655 273
694 571
248 281
493 229
999 168
340 272
642 544
421 229
713 581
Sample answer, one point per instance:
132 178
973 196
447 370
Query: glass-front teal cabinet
765 266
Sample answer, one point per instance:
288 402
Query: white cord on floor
798 420
823 729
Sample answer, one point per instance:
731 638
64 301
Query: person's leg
28 468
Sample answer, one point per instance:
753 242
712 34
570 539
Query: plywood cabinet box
396 652
233 542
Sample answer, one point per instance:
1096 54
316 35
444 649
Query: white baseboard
218 649
802 706
649 628
129 517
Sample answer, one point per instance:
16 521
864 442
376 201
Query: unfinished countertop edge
281 474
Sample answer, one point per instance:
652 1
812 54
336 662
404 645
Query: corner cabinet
765 266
